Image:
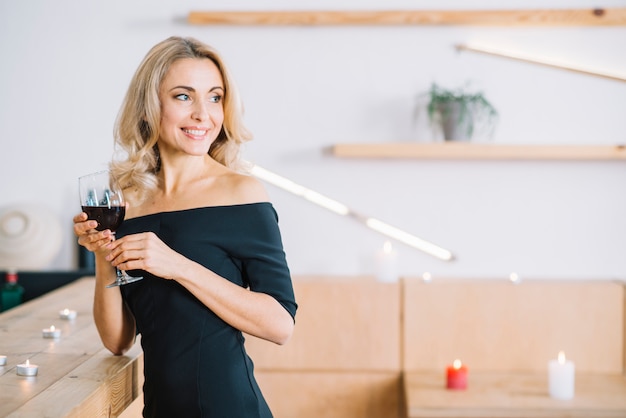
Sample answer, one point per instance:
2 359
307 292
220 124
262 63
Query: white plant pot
454 128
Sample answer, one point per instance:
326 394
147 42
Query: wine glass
102 200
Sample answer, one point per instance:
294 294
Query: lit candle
456 375
27 369
67 314
514 277
51 332
3 360
387 264
561 377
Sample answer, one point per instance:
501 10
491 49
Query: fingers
81 217
129 260
143 251
95 241
87 235
82 225
128 247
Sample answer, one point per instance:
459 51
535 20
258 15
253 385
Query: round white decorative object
30 237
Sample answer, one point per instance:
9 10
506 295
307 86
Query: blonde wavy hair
137 127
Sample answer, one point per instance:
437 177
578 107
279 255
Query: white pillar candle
561 378
387 264
3 360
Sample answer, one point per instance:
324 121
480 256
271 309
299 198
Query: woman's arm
113 319
252 312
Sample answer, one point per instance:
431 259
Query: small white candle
561 378
514 277
51 332
387 264
67 314
27 369
3 360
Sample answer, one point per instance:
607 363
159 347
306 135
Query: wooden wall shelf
530 17
469 151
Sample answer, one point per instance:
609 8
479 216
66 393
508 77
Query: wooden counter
514 395
77 376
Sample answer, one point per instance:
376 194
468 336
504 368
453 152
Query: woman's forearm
113 319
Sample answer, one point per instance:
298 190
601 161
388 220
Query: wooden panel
477 151
341 324
518 395
135 409
501 326
332 395
531 17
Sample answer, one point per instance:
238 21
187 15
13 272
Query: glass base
123 278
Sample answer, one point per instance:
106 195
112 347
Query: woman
203 235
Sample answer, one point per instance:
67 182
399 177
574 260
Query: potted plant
459 112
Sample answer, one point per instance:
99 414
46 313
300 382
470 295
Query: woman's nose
200 111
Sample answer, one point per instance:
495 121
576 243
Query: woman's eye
215 99
182 96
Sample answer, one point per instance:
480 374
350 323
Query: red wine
107 217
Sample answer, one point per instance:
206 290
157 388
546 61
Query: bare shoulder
246 189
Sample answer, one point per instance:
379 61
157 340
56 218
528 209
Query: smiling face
192 112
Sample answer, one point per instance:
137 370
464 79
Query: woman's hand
93 240
144 251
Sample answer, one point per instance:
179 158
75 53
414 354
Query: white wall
65 66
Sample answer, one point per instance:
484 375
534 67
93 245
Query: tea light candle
456 375
387 264
27 369
51 332
561 378
67 314
3 360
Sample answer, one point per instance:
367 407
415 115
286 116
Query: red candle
456 376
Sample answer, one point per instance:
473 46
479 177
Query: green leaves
467 110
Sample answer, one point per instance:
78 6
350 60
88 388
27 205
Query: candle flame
27 363
52 328
456 364
66 311
387 247
561 357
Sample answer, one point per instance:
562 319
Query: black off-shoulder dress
196 364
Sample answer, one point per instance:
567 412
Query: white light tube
520 56
341 209
408 239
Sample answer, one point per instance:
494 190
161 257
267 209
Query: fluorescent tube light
341 209
550 62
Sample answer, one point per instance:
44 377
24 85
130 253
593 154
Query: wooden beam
476 151
530 17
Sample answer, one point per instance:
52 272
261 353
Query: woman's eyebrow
189 88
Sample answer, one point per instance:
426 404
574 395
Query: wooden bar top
513 395
77 376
